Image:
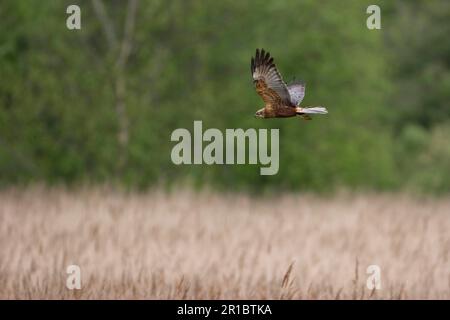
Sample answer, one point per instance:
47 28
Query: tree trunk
123 51
123 122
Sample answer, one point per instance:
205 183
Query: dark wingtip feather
252 66
262 57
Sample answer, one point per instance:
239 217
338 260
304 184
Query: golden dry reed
186 245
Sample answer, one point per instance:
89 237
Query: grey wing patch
296 92
263 68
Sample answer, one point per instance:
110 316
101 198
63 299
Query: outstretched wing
296 92
269 84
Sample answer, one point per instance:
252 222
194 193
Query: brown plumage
280 100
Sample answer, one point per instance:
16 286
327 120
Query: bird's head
259 114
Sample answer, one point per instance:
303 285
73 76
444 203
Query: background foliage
387 91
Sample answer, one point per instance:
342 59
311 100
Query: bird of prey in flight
280 100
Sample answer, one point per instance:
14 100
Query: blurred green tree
98 105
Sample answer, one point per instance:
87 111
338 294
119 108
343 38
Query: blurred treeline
98 105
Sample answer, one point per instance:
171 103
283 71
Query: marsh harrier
280 100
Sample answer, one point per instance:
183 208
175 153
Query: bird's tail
311 110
